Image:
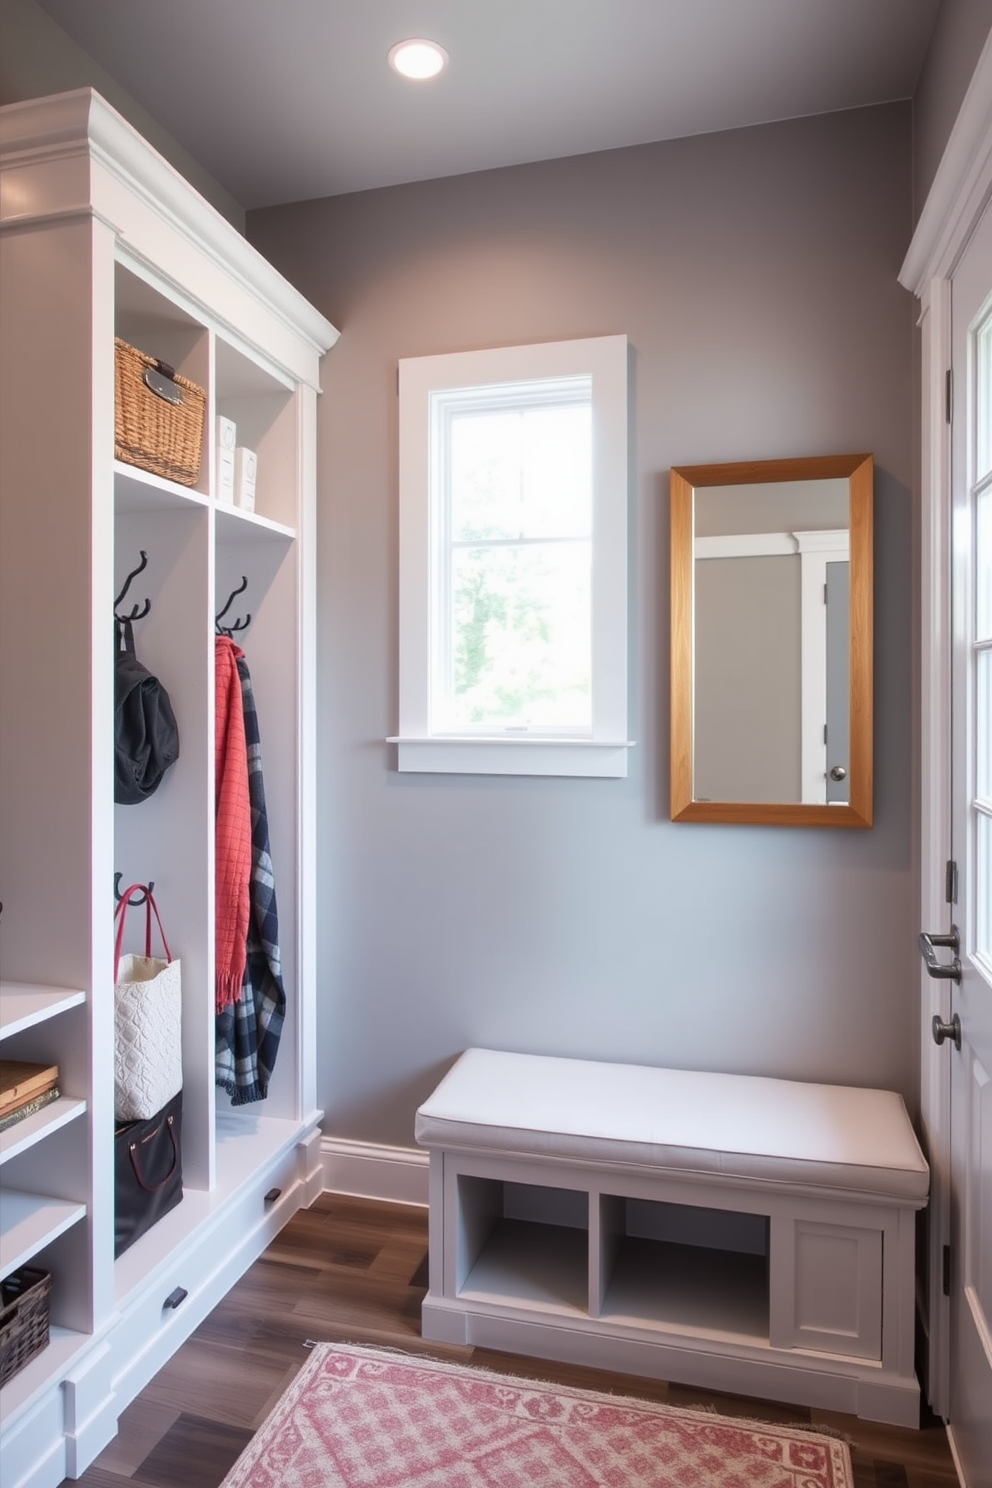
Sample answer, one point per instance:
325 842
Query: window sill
591 758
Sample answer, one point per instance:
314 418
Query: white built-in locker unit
102 238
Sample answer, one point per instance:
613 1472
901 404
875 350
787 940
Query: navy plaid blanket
248 1031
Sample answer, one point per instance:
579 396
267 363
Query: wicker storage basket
150 430
24 1303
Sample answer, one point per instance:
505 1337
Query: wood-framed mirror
771 598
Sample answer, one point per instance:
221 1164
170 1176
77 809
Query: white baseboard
395 1174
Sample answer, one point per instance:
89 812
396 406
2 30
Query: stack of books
25 1089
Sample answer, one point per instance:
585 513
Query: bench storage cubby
749 1235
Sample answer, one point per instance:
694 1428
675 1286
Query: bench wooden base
785 1290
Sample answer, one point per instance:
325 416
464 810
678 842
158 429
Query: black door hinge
946 1277
948 395
951 882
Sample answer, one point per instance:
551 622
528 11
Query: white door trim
961 190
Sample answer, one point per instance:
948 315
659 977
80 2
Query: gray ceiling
284 100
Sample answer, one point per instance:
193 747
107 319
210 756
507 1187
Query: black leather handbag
148 1172
146 735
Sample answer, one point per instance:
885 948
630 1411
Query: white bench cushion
743 1126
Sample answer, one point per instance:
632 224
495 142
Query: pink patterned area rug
365 1418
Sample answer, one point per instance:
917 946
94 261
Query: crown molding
961 188
81 133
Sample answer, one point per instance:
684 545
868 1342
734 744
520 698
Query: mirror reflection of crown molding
810 548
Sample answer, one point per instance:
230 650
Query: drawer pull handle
175 1297
272 1195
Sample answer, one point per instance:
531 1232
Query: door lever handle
942 971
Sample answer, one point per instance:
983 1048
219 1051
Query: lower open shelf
688 1288
533 1266
30 1222
635 1262
50 1362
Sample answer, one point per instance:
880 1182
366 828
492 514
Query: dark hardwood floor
354 1270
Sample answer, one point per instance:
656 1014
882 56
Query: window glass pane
521 473
983 399
521 649
983 889
983 839
983 566
983 732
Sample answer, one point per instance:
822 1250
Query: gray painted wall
960 31
755 274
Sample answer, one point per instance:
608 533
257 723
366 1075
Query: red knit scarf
232 858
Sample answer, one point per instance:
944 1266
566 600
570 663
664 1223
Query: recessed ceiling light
418 58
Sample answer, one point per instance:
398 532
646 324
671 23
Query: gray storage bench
748 1235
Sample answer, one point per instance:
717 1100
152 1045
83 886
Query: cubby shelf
689 1289
528 1265
23 1005
236 525
29 1223
17 1139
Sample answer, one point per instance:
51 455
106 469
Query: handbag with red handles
148 1053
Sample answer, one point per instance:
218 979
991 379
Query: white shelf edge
29 1222
24 1004
503 1301
24 1134
240 524
136 489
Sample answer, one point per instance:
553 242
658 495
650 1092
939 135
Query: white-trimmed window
513 560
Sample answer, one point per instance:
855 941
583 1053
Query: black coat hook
149 888
138 612
229 630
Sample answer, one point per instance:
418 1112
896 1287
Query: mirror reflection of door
771 642
838 604
747 674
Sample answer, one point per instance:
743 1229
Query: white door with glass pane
970 1404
